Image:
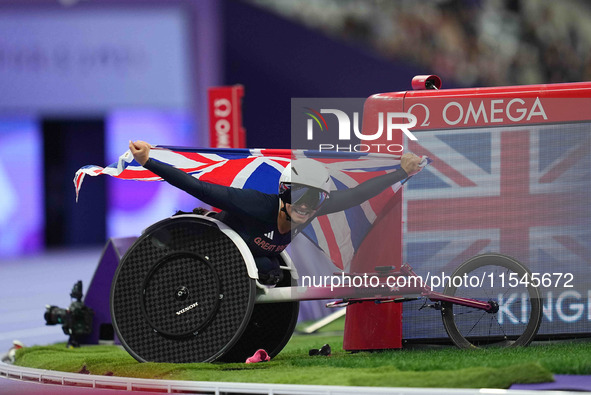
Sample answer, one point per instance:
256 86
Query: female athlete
267 222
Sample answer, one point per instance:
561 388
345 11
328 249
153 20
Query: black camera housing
76 320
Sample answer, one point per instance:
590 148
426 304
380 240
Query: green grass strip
438 367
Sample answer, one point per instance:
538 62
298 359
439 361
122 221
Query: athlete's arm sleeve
243 201
342 200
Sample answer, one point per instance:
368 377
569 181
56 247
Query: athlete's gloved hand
140 150
410 163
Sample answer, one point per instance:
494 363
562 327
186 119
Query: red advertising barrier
371 326
225 117
490 107
501 199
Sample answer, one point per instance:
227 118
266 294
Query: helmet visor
312 198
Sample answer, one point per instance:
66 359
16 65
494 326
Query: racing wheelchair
187 291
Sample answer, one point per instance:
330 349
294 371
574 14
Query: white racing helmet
304 181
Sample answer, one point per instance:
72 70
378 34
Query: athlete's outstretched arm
342 200
242 201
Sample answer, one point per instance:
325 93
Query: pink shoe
259 356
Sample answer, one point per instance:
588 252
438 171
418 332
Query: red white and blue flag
520 191
339 235
240 168
509 190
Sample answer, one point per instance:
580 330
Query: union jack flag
520 191
339 235
240 168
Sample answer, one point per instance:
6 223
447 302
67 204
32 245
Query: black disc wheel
508 287
181 293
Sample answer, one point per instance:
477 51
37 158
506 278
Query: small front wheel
506 285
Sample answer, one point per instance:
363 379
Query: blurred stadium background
78 79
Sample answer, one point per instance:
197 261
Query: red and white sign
442 113
490 107
225 117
